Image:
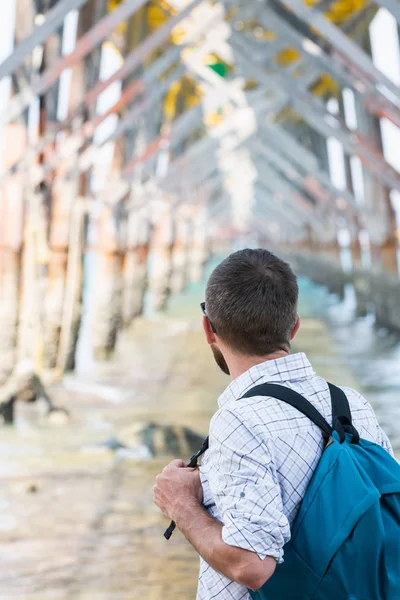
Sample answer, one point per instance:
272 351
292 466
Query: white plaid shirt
262 455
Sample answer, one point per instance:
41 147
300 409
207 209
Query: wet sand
78 520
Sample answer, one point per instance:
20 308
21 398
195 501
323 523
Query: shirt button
242 494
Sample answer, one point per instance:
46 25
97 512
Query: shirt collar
294 367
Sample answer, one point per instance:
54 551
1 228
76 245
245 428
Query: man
238 509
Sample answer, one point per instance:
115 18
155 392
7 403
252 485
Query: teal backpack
345 542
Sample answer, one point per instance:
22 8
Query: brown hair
251 300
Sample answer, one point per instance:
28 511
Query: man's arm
205 534
178 494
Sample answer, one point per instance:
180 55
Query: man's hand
179 495
177 487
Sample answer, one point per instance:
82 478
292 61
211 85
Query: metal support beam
345 47
392 6
365 90
295 152
53 19
315 114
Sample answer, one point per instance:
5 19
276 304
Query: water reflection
372 353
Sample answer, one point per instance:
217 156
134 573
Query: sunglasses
203 308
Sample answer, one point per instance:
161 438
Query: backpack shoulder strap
340 404
341 414
293 399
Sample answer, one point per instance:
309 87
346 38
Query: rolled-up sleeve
245 488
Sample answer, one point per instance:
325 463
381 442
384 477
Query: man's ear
296 328
210 335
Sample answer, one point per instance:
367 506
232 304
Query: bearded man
237 510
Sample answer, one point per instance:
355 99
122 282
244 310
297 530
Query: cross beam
366 91
85 45
315 114
54 18
355 56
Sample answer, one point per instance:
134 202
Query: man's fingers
176 464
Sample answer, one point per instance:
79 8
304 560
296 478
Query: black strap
340 404
192 463
341 415
294 399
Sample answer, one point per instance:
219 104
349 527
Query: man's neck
239 364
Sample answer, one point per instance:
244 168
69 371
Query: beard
219 359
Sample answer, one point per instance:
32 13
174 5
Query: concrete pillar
135 266
107 317
199 248
161 258
180 250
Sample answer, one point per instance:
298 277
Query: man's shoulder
243 408
361 410
357 401
261 416
353 394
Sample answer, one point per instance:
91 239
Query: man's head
251 302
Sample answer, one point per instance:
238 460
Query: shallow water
372 354
77 520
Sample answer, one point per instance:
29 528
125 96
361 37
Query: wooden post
11 237
161 258
199 250
63 304
14 141
72 307
63 197
180 250
34 259
135 266
108 284
379 214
